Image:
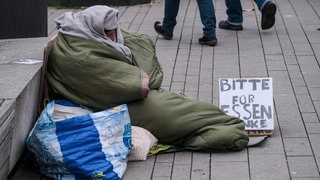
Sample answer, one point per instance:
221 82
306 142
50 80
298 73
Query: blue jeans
207 15
234 10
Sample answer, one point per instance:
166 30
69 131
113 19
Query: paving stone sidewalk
289 53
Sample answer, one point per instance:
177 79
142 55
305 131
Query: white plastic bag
79 144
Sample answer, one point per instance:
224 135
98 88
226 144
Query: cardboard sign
249 99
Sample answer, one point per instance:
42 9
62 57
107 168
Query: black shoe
211 41
268 15
158 28
228 26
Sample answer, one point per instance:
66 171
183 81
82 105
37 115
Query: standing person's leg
208 19
171 9
235 16
268 11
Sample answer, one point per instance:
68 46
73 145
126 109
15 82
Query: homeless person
94 63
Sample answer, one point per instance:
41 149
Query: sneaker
211 41
226 25
268 15
158 28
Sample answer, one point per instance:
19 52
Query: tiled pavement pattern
289 53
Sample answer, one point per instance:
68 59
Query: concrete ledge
6 125
19 92
25 117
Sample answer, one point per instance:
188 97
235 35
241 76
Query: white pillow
142 141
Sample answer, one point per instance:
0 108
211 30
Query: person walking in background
207 15
235 16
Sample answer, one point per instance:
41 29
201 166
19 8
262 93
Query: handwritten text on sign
250 99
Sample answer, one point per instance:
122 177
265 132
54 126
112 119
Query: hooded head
92 23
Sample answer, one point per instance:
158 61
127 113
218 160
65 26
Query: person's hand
144 84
